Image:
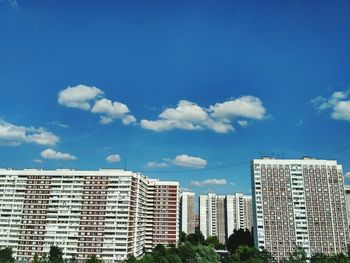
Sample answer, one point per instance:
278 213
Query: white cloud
157 165
114 158
189 161
53 155
341 111
43 137
209 182
90 99
347 175
218 118
38 161
338 103
243 123
79 96
245 106
105 106
13 135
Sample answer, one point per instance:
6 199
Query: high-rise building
347 202
239 213
187 214
212 216
220 215
299 203
109 213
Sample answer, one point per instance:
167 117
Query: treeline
55 256
194 248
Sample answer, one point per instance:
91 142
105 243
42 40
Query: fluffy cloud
189 161
38 161
112 110
53 155
246 106
347 175
338 103
13 135
114 158
91 99
79 96
209 182
157 165
218 118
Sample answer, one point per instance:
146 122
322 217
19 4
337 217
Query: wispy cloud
12 3
209 182
59 124
157 165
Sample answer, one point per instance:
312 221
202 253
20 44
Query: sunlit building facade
187 212
299 203
109 213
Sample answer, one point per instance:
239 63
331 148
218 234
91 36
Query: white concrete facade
110 212
238 212
188 216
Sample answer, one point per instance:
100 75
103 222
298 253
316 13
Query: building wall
188 220
299 203
110 213
347 202
221 215
238 212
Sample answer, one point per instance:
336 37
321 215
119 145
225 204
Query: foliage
94 259
239 238
6 255
196 238
55 255
182 237
214 242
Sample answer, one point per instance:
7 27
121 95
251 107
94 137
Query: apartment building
111 213
239 213
347 202
220 215
187 214
299 203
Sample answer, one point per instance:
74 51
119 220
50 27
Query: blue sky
180 90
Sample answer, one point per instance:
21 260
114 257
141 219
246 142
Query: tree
239 238
214 242
131 259
182 237
247 254
187 253
6 255
298 256
206 254
55 255
94 259
197 238
36 259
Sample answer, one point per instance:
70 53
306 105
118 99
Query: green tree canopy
6 255
239 238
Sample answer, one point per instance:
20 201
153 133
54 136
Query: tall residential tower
187 212
299 203
109 213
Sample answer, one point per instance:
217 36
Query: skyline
181 91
